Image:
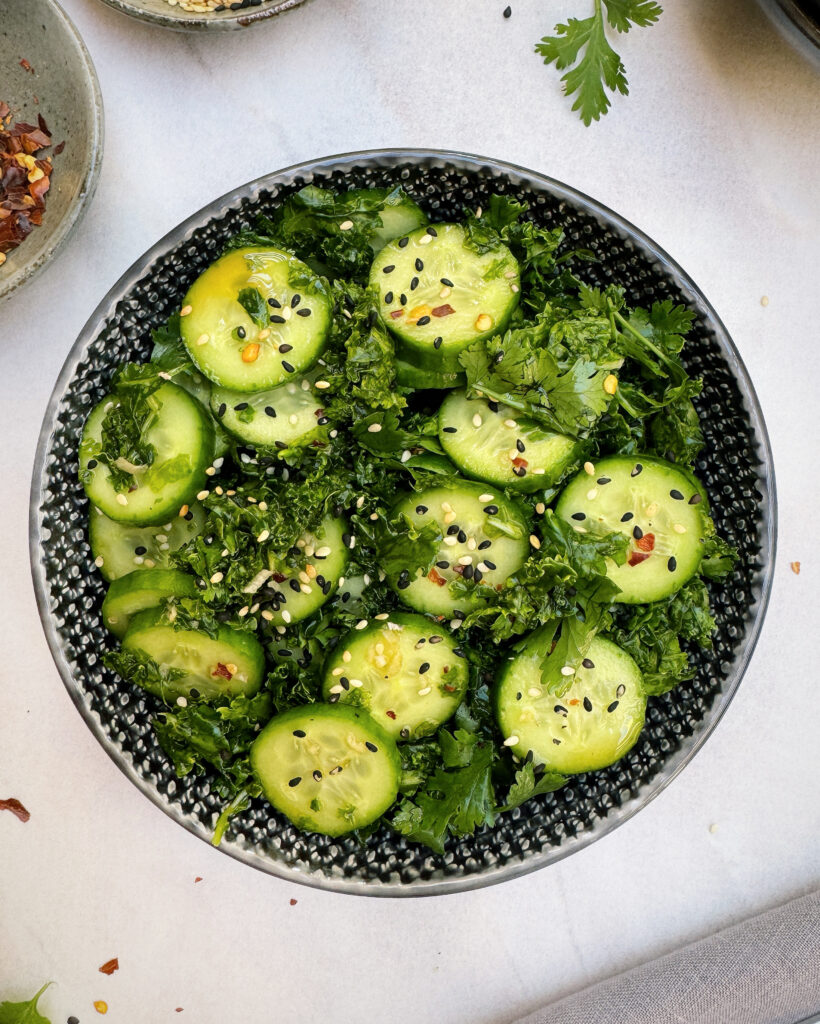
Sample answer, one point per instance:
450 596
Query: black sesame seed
580 516
604 480
294 586
637 532
450 430
73 1019
140 550
371 746
317 776
468 572
447 282
285 348
423 321
345 683
275 303
222 409
508 12
499 356
627 516
433 232
280 445
287 367
557 742
276 319
620 691
300 733
637 469
285 652
389 269
493 406
519 695
520 471
326 587
404 733
490 565
612 706
240 407
323 421
414 284
458 651
424 667
388 298
333 698
403 242
419 265
240 332
92 463
403 299
491 510
676 494
484 545
420 510
453 530
443 565
519 444
587 704
559 709
696 499
588 663
437 342
295 782
294 302
461 536
346 539
336 770
672 564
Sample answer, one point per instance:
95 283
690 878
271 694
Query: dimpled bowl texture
160 12
63 87
735 467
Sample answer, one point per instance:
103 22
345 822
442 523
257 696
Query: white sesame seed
309 551
540 508
150 563
465 560
217 463
486 497
138 559
652 508
348 314
510 423
405 455
322 552
374 428
361 624
346 225
301 542
346 656
210 471
536 543
182 702
293 419
512 454
510 741
267 616
450 541
98 561
322 384
202 495
305 589
203 339
534 691
121 499
356 683
263 536
589 468
514 288
334 433
254 609
592 494
185 310
455 623
217 577
338 688
243 611
381 616
425 690
360 501
225 552
304 578
425 239
538 472
477 420
445 292
509 274
338 671
286 616
281 630
679 528
286 312
341 581
373 516
478 213
449 518
567 670
163 375
263 506
471 544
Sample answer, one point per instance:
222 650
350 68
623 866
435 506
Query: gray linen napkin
763 971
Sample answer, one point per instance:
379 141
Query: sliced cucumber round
409 376
410 676
305 581
119 548
228 665
199 387
655 504
182 437
484 536
438 296
281 417
494 442
399 214
140 590
328 768
591 725
229 346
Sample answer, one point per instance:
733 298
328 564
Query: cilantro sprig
581 46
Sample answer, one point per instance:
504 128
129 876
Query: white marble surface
715 156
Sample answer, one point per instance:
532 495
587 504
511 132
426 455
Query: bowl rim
766 556
74 214
184 21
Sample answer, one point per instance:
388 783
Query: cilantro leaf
254 304
581 45
23 1013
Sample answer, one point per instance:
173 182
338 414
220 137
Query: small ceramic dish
48 71
175 16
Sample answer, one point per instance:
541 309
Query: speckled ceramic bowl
736 468
160 12
798 21
63 87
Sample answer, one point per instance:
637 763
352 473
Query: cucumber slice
409 376
656 505
434 320
183 440
594 723
482 532
140 590
304 582
328 768
399 214
199 387
405 672
494 442
281 417
119 549
231 664
228 346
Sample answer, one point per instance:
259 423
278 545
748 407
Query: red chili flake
318 412
222 670
436 577
396 314
16 808
178 1010
24 64
278 577
198 878
459 569
317 444
574 700
110 966
293 902
59 148
391 714
449 687
445 310
519 462
636 557
446 669
646 542
24 179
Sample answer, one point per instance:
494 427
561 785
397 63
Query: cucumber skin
175 583
119 513
418 379
343 713
246 643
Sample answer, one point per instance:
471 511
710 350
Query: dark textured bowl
160 12
64 82
798 21
736 467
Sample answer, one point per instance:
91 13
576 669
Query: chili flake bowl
736 468
48 71
177 17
